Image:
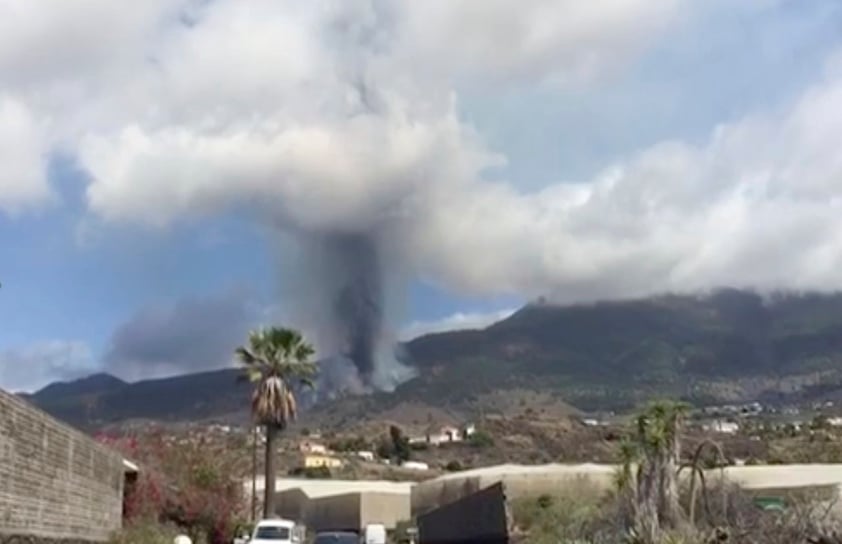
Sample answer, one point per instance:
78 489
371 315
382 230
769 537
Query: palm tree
273 359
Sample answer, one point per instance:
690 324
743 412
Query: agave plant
274 360
652 489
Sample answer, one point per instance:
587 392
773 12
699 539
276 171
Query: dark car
337 537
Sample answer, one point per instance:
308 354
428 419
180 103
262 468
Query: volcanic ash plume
345 289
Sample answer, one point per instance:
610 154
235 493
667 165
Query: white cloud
23 177
31 367
560 42
757 205
344 115
454 322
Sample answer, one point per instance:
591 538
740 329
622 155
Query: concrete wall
343 511
481 517
56 484
336 512
291 504
535 480
519 481
386 508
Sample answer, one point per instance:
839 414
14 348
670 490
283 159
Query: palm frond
273 359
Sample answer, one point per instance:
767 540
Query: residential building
415 465
366 455
443 435
316 461
308 446
721 426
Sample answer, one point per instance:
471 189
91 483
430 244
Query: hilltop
726 346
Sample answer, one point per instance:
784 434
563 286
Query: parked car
275 531
337 537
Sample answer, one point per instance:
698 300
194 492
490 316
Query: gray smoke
347 290
358 308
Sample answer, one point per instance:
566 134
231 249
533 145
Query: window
271 532
337 538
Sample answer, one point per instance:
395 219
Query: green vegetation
316 473
395 447
567 516
352 444
650 506
453 466
145 533
481 439
273 359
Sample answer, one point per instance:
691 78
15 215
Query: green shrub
453 466
565 516
145 533
481 439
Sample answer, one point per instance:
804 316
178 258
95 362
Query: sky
162 163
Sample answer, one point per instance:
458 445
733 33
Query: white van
275 531
374 533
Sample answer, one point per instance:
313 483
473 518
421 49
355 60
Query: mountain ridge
723 346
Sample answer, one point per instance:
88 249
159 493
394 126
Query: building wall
386 508
479 517
313 461
56 484
432 494
334 513
350 511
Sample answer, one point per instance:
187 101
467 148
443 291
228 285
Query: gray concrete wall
336 512
344 511
291 504
386 508
535 480
479 517
519 482
56 484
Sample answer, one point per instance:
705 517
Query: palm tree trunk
254 439
270 472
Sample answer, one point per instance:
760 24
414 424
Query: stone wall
23 539
57 485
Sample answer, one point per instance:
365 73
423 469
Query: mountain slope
729 345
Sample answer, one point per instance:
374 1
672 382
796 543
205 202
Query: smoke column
358 311
347 289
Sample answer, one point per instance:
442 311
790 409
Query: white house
721 426
366 455
312 447
444 435
416 465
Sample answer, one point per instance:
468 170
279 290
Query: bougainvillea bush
182 483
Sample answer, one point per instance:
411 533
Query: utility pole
254 474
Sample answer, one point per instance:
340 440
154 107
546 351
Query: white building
721 426
415 465
366 455
312 447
